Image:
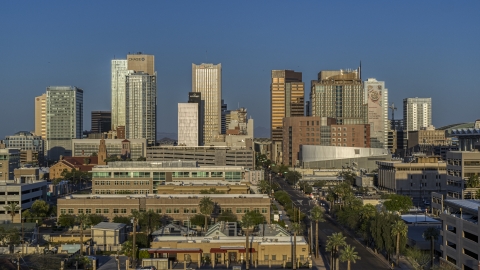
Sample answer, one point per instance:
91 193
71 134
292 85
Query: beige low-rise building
416 179
108 234
178 207
203 189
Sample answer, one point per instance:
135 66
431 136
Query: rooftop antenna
393 108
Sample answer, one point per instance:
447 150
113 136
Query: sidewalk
319 264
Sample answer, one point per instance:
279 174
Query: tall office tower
207 80
119 71
141 106
101 121
41 116
188 115
64 119
376 98
417 113
225 112
339 94
195 97
286 98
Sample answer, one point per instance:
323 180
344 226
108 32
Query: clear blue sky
419 48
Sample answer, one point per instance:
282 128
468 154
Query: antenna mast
393 108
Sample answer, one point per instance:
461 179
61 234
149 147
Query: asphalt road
367 261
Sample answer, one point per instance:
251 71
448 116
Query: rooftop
169 196
109 226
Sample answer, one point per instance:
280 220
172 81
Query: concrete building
287 99
101 121
141 106
417 113
178 207
143 177
416 179
115 147
64 119
376 98
9 161
468 138
298 131
81 164
41 116
339 94
205 155
461 165
188 121
460 230
339 157
196 98
106 234
207 80
24 191
225 112
31 146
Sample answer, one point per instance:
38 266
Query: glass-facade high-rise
207 79
64 119
141 106
119 71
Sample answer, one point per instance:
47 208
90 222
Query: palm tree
431 234
477 194
317 216
399 229
136 216
82 220
297 229
334 242
206 208
249 221
348 254
12 208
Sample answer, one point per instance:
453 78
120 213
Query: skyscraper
64 106
134 96
188 115
141 106
287 93
41 116
207 79
339 94
195 97
376 98
101 121
119 71
417 113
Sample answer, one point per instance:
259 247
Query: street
367 261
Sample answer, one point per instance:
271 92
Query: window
123 210
101 174
169 211
216 174
88 211
159 210
265 257
80 211
264 210
105 210
199 174
176 210
284 257
115 210
121 174
70 211
63 211
141 174
239 210
274 257
98 211
194 210
185 210
180 174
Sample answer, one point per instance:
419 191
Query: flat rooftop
158 196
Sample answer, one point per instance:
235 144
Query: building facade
178 207
9 161
86 147
376 98
196 97
417 113
64 119
205 155
461 165
188 121
31 146
416 179
339 94
207 80
298 131
101 121
41 116
141 106
119 71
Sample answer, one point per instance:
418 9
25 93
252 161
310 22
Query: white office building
207 79
417 113
376 98
188 124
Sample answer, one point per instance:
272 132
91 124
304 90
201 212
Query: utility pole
134 221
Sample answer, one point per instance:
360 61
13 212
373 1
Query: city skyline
416 52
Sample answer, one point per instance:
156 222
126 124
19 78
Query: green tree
418 259
206 206
94 154
121 219
127 249
40 210
431 234
95 219
199 220
141 159
349 255
12 208
66 220
334 242
227 217
348 176
399 229
264 187
398 203
293 177
473 181
317 216
150 221
249 221
143 254
83 220
297 229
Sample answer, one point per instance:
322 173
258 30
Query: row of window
158 210
161 175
